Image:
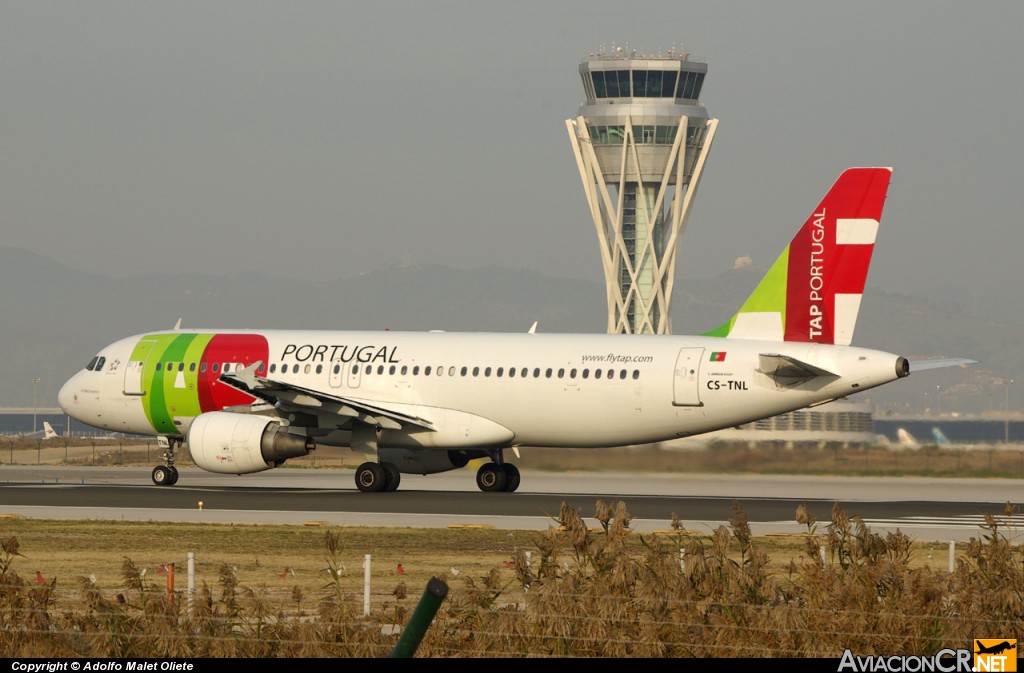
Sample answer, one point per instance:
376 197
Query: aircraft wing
919 365
297 398
788 367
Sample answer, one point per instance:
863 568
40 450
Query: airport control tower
641 142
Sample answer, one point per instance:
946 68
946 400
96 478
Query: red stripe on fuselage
222 349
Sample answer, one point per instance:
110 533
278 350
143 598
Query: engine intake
230 443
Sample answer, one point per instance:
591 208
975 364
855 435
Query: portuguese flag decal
718 356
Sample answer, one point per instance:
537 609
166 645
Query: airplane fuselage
429 402
474 390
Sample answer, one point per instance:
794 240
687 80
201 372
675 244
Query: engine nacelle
428 461
229 443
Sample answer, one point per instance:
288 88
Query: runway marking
961 521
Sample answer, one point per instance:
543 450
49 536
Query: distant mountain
53 318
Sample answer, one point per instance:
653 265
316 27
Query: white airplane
46 433
246 401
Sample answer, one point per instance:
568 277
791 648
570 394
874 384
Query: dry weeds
567 592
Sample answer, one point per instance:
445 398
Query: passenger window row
487 372
416 370
216 367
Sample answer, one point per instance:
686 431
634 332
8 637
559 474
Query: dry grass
569 591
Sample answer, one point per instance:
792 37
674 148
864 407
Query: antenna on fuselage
533 328
177 325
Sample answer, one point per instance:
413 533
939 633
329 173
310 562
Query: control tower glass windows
642 135
654 83
665 135
690 84
640 78
668 84
641 84
611 83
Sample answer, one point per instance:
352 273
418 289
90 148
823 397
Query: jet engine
428 461
231 443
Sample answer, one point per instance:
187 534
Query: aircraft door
134 373
685 386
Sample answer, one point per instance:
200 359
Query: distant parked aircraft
46 433
940 438
906 440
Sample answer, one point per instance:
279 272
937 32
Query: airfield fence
740 457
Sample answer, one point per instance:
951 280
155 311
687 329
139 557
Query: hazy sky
325 139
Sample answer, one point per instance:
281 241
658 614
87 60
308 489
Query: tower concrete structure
641 141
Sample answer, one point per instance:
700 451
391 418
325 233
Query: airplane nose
66 396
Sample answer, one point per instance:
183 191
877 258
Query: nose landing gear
167 475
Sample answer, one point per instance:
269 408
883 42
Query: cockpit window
99 364
92 363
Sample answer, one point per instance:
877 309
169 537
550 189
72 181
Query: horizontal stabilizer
785 366
919 365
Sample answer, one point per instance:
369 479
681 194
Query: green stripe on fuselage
166 396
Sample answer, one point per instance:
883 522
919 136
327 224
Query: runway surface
925 509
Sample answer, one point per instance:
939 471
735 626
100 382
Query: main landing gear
167 475
377 477
498 477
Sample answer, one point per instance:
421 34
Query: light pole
938 402
35 404
1006 410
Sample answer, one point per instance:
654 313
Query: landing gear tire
174 475
392 477
371 478
512 476
164 476
491 478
